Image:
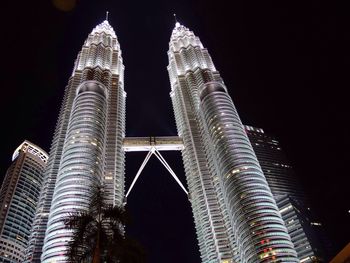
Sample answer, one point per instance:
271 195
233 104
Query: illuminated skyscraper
18 198
87 143
235 214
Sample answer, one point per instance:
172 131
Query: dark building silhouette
306 231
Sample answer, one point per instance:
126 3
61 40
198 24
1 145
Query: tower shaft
236 217
87 143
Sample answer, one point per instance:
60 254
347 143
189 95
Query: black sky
285 64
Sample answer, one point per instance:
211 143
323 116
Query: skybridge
153 146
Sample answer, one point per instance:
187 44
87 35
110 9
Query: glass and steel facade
291 200
302 229
87 143
278 171
235 214
18 198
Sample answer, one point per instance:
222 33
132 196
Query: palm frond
77 219
116 214
98 199
100 231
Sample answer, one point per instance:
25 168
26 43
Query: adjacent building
87 144
278 171
236 216
18 198
305 231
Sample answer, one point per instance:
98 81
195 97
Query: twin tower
235 215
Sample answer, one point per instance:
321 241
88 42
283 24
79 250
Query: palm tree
98 234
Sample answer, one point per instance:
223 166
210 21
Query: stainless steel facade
18 198
87 143
236 217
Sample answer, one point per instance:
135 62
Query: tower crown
99 49
181 31
182 37
186 52
104 27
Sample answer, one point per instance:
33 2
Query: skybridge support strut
149 154
167 166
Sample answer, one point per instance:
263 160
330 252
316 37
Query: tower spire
107 15
177 24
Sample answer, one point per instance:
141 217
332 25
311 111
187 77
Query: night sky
285 64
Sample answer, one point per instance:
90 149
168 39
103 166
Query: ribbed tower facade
235 214
87 143
19 195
